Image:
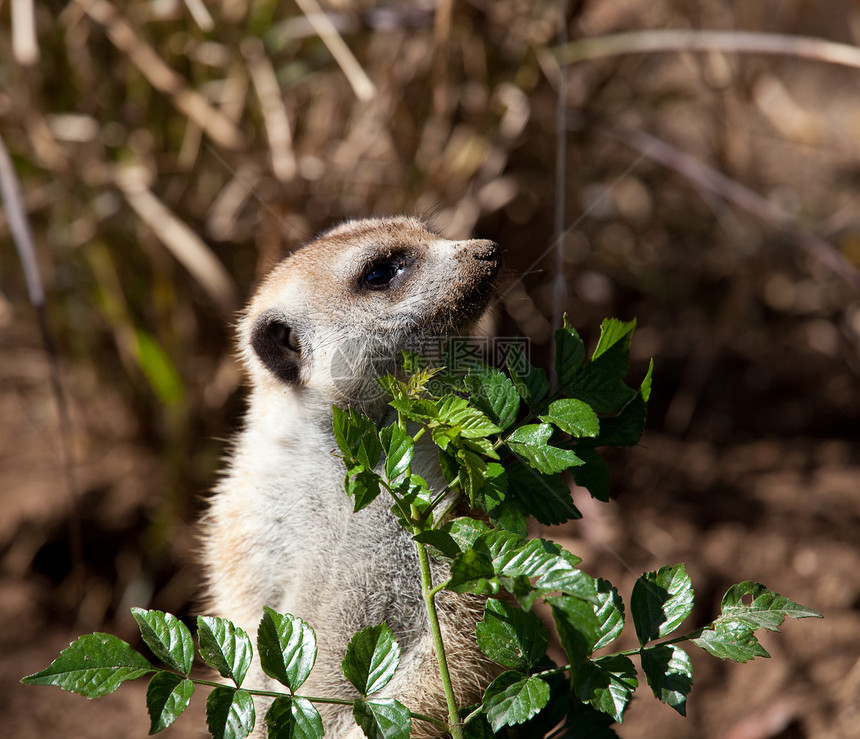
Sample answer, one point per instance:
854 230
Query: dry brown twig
188 101
746 42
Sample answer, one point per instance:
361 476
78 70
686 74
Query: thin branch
272 106
362 86
710 180
742 42
25 44
183 243
10 196
187 100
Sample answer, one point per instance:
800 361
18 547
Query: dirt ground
750 467
784 511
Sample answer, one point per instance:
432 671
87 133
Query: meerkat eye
380 274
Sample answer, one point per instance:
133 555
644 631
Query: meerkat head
337 313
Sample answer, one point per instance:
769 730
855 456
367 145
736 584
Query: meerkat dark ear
278 348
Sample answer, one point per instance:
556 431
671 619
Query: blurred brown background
170 151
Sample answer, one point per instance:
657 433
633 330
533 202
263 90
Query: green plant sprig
503 441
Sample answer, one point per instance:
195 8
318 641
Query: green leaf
291 717
765 609
573 417
510 636
601 381
93 665
456 411
607 684
609 612
225 647
730 640
167 637
593 475
494 490
287 648
529 443
627 427
167 696
372 656
494 394
531 382
546 497
159 369
362 485
382 718
586 722
513 698
660 601
669 672
569 354
229 713
578 626
615 335
472 572
357 437
399 450
509 516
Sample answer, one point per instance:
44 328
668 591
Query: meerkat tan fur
280 531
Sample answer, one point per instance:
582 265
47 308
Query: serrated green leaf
605 392
593 475
372 656
473 424
167 637
510 636
730 640
494 490
382 718
529 443
573 417
578 626
607 684
230 713
495 395
669 672
292 717
399 450
93 665
225 647
167 696
545 497
509 516
530 382
765 609
287 647
472 572
609 612
569 354
513 698
362 485
626 428
357 437
614 334
660 601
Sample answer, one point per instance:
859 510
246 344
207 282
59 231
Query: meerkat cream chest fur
280 531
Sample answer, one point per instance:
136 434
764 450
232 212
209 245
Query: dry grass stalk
189 102
653 41
274 111
182 242
361 84
25 45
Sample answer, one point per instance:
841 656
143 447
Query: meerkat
280 531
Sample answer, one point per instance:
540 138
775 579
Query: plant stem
454 725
